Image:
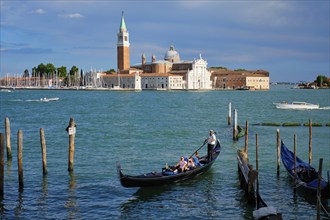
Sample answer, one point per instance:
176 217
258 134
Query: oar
199 148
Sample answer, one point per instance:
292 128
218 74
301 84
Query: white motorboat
49 99
5 90
296 105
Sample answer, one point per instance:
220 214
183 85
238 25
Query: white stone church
171 73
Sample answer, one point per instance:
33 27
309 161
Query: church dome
172 55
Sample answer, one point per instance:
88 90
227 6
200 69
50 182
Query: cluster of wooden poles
249 177
71 129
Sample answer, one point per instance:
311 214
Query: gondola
164 177
263 211
306 175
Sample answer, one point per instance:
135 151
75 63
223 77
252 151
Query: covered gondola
166 177
306 175
265 212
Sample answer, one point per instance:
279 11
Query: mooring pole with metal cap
229 114
71 129
235 126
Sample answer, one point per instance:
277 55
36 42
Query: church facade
170 73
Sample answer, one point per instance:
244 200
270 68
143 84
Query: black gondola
307 177
264 211
164 177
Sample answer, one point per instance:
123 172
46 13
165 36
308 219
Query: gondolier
210 144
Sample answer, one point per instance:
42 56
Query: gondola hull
159 178
265 212
306 176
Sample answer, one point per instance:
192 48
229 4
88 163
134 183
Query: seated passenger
197 155
181 165
196 161
190 165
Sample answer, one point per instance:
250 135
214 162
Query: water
144 131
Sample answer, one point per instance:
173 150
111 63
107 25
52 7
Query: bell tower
123 56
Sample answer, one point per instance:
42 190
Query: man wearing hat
210 145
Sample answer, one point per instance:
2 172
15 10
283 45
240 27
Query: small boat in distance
49 99
166 177
296 105
5 90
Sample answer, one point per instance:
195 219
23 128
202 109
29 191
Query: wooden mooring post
278 151
2 164
8 143
246 137
294 164
257 170
229 114
235 126
20 158
43 151
71 129
318 197
310 142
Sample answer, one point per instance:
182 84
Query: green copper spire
122 24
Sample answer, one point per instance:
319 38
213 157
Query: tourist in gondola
197 154
191 165
181 165
210 144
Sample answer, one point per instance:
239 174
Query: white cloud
75 15
39 11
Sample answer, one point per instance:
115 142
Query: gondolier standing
210 144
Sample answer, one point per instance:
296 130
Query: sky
290 39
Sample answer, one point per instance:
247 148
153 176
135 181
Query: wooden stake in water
310 142
246 137
2 164
72 131
278 151
43 151
318 197
20 158
235 126
229 114
8 143
257 169
294 164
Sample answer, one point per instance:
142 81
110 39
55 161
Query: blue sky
290 39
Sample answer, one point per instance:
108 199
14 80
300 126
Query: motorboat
5 90
49 99
296 105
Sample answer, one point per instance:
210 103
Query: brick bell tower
123 57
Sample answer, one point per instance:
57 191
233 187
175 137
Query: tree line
49 70
322 81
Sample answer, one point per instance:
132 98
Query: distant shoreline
110 89
131 89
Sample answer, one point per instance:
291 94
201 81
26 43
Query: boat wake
28 100
320 108
325 108
35 100
32 100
